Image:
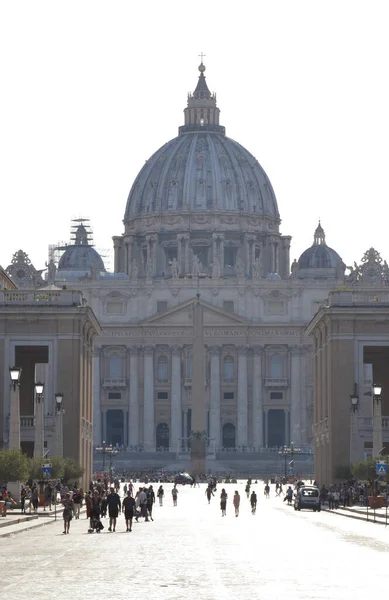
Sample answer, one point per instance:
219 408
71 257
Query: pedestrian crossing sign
380 468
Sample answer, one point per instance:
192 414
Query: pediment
183 315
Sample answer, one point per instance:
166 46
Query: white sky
91 89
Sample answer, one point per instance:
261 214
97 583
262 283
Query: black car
183 478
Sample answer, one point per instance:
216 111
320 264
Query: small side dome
273 276
319 255
80 255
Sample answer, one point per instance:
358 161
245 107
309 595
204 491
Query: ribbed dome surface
319 257
201 171
80 258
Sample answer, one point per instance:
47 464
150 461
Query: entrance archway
228 435
276 428
115 427
162 436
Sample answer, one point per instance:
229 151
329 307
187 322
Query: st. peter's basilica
201 215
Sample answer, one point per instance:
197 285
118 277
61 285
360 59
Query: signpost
381 467
46 470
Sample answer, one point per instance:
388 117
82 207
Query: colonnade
250 407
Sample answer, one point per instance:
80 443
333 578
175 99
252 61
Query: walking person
174 495
128 507
160 494
247 489
150 501
23 495
223 502
236 502
267 491
77 501
35 499
253 502
209 493
114 506
67 514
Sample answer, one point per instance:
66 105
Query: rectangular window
229 256
161 306
276 396
114 396
115 308
162 396
228 395
228 306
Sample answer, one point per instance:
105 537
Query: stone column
59 431
286 431
221 252
148 399
295 400
133 417
117 239
96 398
104 416
257 416
187 267
181 253
175 403
198 425
242 403
266 428
214 412
286 256
129 243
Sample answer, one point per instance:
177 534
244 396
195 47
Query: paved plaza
191 552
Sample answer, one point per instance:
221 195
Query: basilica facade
201 219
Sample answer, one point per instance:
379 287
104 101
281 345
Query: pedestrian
150 501
114 506
67 512
35 499
128 507
247 489
253 502
160 494
48 495
23 495
77 501
267 491
174 495
223 502
209 493
142 497
236 502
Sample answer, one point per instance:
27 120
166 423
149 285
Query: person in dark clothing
209 493
253 502
150 501
114 506
128 507
94 513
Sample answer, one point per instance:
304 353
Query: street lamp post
14 424
39 420
14 412
59 411
354 400
377 420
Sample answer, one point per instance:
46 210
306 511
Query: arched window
276 368
228 368
115 367
162 436
228 435
163 369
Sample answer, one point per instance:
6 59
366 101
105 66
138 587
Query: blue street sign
380 468
46 469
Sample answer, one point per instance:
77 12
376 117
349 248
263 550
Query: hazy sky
91 89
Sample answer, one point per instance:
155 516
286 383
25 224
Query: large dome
202 169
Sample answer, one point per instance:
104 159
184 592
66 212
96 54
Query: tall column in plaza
97 428
242 402
257 422
295 380
148 399
214 413
377 426
198 437
175 417
133 417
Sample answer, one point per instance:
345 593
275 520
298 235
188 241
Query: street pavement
191 552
